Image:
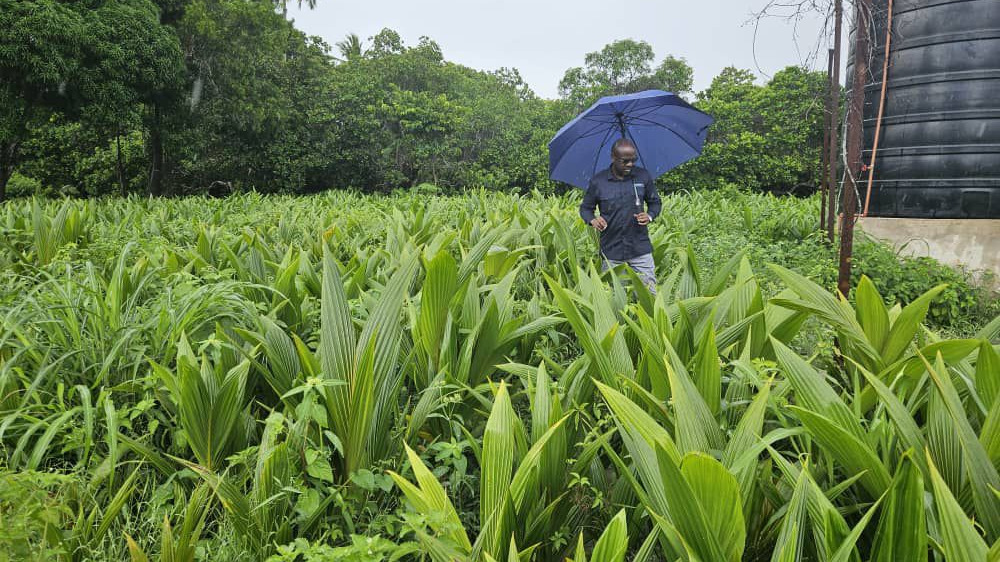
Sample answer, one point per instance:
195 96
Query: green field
416 377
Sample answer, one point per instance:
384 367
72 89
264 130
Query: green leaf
282 359
585 333
982 474
953 351
337 335
697 429
855 455
318 467
959 539
846 548
813 392
707 373
527 477
635 421
907 430
642 437
613 543
42 444
499 449
747 434
717 493
988 374
907 324
901 532
687 515
115 505
361 410
990 331
384 325
871 312
990 434
835 311
210 411
718 282
790 538
430 498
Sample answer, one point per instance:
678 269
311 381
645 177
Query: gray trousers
643 266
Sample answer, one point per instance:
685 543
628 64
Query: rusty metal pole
855 118
833 106
824 160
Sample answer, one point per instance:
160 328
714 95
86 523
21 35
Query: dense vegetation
349 377
214 96
393 372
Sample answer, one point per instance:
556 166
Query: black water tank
939 153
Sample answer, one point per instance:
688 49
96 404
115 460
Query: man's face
623 160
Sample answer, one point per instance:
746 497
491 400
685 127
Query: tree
764 137
350 48
731 100
41 43
511 79
283 4
257 83
97 63
140 66
386 42
673 75
424 146
621 67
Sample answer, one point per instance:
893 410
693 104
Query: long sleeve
653 203
589 203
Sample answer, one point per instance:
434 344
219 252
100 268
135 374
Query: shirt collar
611 176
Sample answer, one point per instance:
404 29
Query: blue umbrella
667 132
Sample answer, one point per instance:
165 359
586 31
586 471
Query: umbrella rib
645 112
628 106
595 130
680 136
638 153
592 132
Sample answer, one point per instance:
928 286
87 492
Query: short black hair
622 142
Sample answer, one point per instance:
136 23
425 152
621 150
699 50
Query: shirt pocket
630 200
638 192
613 199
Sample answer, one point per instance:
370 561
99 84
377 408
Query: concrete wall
972 243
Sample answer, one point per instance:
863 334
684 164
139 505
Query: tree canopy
170 97
621 67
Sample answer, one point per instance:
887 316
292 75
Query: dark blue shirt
619 201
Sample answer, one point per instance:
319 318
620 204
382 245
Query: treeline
172 97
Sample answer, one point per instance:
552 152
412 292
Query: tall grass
453 379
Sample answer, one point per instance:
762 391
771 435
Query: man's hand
599 223
643 218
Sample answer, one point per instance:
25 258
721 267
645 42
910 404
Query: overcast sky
544 38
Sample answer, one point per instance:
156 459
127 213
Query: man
620 192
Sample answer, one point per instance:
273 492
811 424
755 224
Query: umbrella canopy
667 132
